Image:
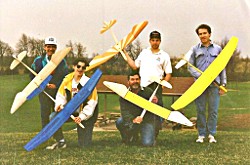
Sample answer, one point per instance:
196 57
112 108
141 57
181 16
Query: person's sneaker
56 145
211 139
200 139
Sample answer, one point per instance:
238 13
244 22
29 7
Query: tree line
237 69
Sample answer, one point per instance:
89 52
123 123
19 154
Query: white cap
50 41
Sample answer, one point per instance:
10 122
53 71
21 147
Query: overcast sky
81 21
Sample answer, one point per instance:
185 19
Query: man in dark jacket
130 124
46 104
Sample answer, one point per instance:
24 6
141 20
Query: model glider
186 59
63 115
208 76
21 97
100 59
122 91
17 60
160 82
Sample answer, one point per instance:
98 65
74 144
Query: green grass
173 147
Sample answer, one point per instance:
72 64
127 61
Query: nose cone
18 101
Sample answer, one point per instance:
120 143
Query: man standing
46 104
130 123
202 56
87 113
152 62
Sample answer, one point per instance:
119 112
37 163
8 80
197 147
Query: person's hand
155 100
77 120
58 108
221 92
138 120
51 86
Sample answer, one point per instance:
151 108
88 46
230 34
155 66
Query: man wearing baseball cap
46 104
152 62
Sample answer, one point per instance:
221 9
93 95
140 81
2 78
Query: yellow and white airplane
122 91
119 46
207 77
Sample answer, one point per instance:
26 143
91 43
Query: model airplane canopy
100 59
21 97
208 76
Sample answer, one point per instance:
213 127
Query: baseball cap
50 41
155 34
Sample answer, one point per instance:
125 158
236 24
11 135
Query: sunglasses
79 66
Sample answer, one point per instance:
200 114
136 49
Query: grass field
173 147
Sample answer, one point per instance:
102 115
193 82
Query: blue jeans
211 98
146 129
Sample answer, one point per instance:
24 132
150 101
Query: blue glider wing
39 89
63 116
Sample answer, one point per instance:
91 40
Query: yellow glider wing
100 59
122 91
208 76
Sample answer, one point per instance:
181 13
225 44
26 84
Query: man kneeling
130 124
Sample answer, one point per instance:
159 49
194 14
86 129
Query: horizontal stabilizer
180 64
107 26
17 59
161 82
184 60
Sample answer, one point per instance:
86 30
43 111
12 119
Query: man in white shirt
152 62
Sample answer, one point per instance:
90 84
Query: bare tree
134 49
5 55
80 50
23 44
71 53
246 73
35 47
5 49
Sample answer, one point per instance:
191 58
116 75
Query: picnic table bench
180 85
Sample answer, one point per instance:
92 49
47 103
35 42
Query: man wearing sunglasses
46 104
87 113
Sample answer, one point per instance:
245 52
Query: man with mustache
130 124
202 55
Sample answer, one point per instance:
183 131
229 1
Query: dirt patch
236 121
